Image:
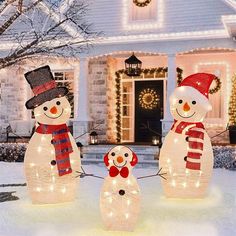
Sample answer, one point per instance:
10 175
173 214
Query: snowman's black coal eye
113 154
58 103
126 154
180 101
45 108
194 102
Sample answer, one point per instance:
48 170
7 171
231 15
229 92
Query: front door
148 109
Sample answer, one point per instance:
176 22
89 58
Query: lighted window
141 18
66 79
148 12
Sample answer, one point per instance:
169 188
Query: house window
142 18
148 12
66 79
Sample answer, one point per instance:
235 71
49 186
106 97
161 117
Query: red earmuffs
106 160
134 159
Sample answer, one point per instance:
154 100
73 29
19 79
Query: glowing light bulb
175 140
114 182
173 183
43 138
38 189
110 214
168 160
39 149
63 190
197 184
106 193
128 202
51 188
110 200
32 164
134 192
184 184
128 182
127 215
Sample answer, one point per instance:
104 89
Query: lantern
156 141
93 138
133 66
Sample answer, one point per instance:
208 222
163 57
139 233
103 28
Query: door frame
133 80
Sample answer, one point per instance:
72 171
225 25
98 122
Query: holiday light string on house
232 102
158 72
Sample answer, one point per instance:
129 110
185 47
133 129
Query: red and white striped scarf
195 138
61 142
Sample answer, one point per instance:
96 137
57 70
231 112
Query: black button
52 141
53 162
122 192
187 139
185 158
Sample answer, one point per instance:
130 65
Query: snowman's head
188 104
54 112
121 156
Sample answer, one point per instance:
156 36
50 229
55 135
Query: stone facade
97 77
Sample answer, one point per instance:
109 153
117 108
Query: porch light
93 138
133 66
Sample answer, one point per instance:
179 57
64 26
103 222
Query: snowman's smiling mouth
56 116
118 165
185 116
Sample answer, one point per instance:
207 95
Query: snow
213 216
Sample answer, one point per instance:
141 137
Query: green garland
142 3
161 71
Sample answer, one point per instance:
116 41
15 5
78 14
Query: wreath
148 99
211 91
140 3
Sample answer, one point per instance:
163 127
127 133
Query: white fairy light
63 190
38 189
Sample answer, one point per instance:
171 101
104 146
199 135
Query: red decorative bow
124 172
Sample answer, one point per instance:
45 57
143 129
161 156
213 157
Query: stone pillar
82 122
171 84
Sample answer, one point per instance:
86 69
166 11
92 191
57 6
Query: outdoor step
95 153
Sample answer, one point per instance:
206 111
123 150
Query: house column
171 85
82 123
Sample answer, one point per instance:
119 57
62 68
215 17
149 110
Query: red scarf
114 171
196 131
61 142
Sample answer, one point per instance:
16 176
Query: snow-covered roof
174 17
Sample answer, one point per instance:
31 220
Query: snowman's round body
120 203
120 193
182 182
186 155
44 183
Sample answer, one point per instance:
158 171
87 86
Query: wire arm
83 174
157 174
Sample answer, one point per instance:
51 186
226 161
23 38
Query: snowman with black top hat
52 156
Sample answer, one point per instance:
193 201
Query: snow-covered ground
213 216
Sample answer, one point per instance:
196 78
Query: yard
214 216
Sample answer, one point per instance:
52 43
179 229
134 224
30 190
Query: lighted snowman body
52 156
186 155
120 194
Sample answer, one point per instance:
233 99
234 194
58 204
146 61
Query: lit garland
211 91
160 72
139 3
232 103
148 99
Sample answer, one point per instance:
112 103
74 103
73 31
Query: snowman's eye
45 108
113 154
58 103
180 101
194 102
126 154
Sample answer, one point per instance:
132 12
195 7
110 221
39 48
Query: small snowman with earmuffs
52 156
120 195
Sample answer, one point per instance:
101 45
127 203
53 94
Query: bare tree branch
5 4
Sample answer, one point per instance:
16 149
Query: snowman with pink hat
186 155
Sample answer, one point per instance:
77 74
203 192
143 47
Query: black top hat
43 86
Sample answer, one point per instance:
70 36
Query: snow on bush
12 152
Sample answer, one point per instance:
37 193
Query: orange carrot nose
186 107
119 159
53 110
